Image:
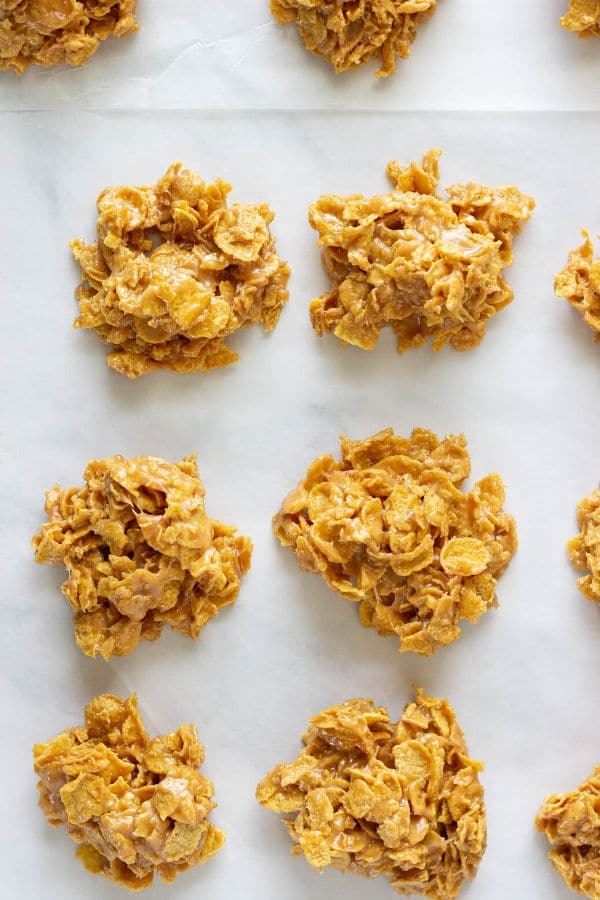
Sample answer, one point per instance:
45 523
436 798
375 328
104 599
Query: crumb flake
140 552
428 267
389 527
579 284
571 824
53 32
349 32
372 797
135 806
175 271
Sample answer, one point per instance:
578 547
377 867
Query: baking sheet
524 680
230 54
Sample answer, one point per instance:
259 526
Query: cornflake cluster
583 17
389 527
579 283
52 32
572 825
140 552
584 550
430 268
349 32
372 797
175 271
135 806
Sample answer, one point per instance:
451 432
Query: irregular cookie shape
372 797
140 552
52 32
135 806
571 822
579 283
425 266
389 527
348 32
175 271
583 17
584 550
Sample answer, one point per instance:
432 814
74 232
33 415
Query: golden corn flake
583 17
175 271
389 527
579 283
372 797
571 823
425 266
140 552
136 806
349 32
584 550
52 32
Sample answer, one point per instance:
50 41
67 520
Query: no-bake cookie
373 797
136 806
431 268
349 32
389 527
175 271
140 552
571 822
584 549
579 283
52 32
583 16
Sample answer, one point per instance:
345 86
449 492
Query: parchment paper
524 681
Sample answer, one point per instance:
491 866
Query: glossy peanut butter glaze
579 284
136 806
372 797
583 16
175 271
140 552
349 32
428 267
52 32
571 822
389 527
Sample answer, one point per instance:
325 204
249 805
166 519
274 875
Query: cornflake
572 826
583 17
579 283
348 32
136 806
52 32
372 797
390 528
175 271
584 550
140 552
425 266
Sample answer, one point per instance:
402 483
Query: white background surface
524 680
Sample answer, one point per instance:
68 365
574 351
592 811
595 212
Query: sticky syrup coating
372 797
428 267
579 284
584 548
571 824
389 527
175 271
51 33
583 17
140 552
347 33
136 806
